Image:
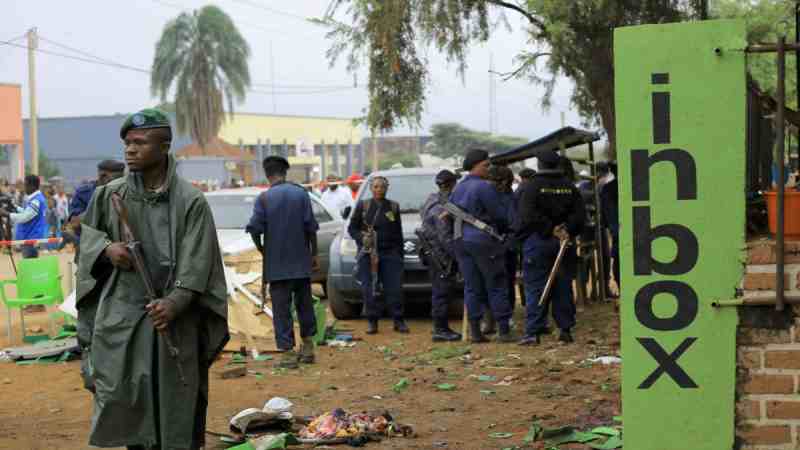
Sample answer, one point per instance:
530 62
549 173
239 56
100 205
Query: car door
328 228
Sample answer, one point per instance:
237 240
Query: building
315 145
11 134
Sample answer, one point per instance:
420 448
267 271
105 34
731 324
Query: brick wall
768 357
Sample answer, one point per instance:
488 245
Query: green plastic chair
38 282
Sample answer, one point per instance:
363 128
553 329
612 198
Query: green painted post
680 106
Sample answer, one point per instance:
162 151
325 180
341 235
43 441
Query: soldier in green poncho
140 402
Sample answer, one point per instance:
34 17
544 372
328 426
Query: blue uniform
481 259
441 286
35 228
609 203
386 219
512 254
284 216
545 203
81 198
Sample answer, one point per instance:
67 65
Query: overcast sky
126 32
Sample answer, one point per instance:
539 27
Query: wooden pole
33 42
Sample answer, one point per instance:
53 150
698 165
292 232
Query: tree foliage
766 21
47 167
451 140
202 57
387 160
573 38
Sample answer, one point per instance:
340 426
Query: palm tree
205 57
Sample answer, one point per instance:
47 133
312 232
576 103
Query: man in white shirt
335 197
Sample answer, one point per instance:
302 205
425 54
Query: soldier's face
378 189
481 169
144 150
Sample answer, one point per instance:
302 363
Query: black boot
476 336
566 336
530 340
489 324
443 333
372 327
505 336
400 326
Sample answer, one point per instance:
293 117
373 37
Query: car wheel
341 308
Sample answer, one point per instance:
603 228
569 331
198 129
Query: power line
276 32
78 58
273 10
96 60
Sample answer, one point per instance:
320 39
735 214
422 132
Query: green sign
680 105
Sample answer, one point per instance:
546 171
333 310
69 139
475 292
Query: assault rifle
460 216
137 258
429 251
369 248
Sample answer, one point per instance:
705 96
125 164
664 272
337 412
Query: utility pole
374 152
33 42
492 94
272 76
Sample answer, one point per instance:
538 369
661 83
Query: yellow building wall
249 128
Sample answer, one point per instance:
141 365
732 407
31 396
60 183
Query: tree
766 21
47 168
573 37
451 140
204 58
406 159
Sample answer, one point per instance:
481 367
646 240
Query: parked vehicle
410 188
232 209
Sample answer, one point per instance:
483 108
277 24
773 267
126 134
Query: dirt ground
45 407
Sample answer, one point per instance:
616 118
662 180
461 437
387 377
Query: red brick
749 359
763 282
769 384
767 435
762 336
748 409
783 410
782 359
763 253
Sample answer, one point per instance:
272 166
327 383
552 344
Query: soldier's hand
315 263
162 312
119 256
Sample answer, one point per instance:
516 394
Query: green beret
144 119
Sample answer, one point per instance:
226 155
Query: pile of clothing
340 424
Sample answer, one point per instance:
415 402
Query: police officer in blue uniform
107 170
442 284
480 256
283 216
609 204
383 216
550 210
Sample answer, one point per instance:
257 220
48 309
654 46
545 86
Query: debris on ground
401 385
338 426
43 351
601 438
605 360
276 413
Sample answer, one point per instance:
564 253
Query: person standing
283 216
480 256
609 204
550 211
145 396
376 227
30 219
335 197
107 171
438 232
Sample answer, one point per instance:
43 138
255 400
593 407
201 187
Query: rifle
462 216
554 271
442 263
370 248
137 258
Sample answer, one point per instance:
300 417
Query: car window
320 214
410 191
231 211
